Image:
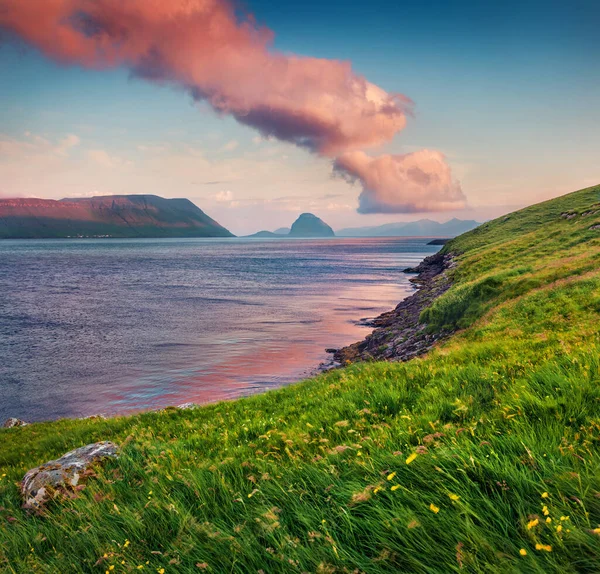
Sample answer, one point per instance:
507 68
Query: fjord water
114 326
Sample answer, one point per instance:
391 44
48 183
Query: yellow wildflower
563 518
523 552
559 528
411 458
548 520
376 489
435 509
545 511
545 495
532 524
127 543
391 476
395 487
453 496
596 531
544 547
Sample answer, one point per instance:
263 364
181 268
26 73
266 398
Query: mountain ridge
121 216
419 228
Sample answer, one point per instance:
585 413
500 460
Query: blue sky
508 91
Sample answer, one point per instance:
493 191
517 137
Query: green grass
504 419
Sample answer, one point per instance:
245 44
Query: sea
110 326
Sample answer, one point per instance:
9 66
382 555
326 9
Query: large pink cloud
404 183
222 58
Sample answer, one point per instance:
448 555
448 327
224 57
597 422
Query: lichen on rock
62 475
14 422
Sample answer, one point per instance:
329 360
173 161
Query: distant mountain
263 234
309 225
107 216
420 228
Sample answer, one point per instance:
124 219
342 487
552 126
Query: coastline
399 335
346 315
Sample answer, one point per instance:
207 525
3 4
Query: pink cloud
220 57
413 182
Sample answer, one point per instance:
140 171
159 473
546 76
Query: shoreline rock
14 422
61 476
398 334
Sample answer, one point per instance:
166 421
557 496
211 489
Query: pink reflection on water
278 354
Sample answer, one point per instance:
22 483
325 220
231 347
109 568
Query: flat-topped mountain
107 216
309 225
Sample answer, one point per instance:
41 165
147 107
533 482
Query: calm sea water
113 326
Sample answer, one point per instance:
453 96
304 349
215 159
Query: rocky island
307 225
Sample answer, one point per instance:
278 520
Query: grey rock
40 484
188 406
13 422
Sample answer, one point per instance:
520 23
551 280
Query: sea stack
309 225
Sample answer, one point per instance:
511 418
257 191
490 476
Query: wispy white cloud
66 143
104 159
223 196
230 145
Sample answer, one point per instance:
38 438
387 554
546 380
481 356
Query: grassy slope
314 477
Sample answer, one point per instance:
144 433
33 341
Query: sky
362 113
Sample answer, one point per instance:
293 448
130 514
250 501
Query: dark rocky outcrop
309 225
63 475
399 335
105 216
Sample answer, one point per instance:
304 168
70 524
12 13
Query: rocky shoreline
398 334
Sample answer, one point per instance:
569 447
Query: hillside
420 228
111 215
480 456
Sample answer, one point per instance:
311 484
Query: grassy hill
482 456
